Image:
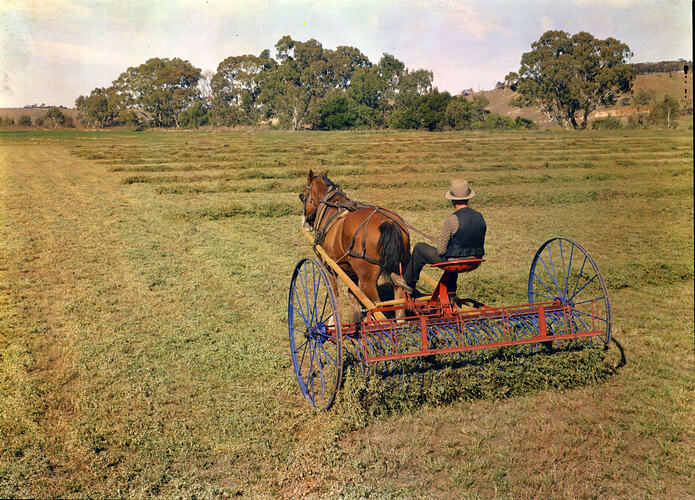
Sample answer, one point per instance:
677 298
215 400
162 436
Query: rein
385 212
321 227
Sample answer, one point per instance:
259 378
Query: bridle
309 199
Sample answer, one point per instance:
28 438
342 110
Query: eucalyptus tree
343 62
568 77
237 86
412 84
159 89
99 109
306 76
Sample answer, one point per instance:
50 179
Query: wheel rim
563 270
314 332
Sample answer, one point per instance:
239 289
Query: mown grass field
143 341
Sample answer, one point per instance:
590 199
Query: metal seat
447 283
459 266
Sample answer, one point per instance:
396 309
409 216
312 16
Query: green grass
143 335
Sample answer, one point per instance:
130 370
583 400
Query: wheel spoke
319 369
310 375
542 282
300 311
299 303
552 266
584 325
303 344
589 300
584 286
564 271
581 272
590 315
569 270
328 356
551 274
542 295
305 284
315 288
306 345
300 330
323 310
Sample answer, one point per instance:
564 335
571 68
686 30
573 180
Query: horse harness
321 226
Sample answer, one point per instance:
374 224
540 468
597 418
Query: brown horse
364 240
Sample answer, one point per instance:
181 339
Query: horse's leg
356 308
400 295
355 304
368 275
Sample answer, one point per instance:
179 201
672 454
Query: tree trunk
574 123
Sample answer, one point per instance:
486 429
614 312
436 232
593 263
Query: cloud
461 16
605 3
471 20
45 9
547 24
81 54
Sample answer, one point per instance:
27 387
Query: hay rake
567 299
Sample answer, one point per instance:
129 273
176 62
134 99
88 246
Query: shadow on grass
623 359
407 385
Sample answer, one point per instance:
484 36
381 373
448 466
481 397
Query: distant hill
499 103
35 113
662 84
661 67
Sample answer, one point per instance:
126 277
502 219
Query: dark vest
469 240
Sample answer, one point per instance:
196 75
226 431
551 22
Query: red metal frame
389 328
441 311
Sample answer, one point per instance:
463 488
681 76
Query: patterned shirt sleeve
451 225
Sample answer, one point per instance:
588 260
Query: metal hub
318 333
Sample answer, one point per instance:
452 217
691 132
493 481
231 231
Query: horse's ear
311 175
325 174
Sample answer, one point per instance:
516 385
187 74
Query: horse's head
311 196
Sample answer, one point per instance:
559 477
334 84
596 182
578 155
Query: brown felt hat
459 190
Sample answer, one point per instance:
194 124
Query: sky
52 51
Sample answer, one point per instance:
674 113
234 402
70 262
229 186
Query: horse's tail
392 247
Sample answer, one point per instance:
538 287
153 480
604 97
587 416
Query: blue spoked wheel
563 270
315 339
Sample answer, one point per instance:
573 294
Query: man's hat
459 190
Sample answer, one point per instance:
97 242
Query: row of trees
661 67
53 118
305 85
662 113
248 89
308 86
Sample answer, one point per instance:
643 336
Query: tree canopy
158 90
568 77
237 86
99 109
305 85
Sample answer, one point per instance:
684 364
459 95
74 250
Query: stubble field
143 337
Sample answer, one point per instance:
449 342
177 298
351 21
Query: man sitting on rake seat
463 235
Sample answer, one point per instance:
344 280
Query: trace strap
322 227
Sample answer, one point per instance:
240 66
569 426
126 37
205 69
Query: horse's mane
330 185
